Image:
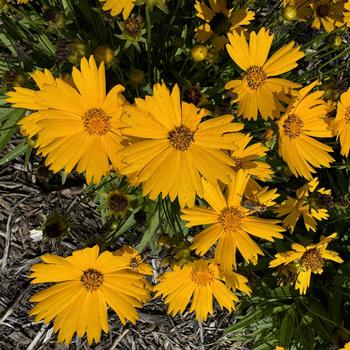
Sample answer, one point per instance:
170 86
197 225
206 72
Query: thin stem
149 41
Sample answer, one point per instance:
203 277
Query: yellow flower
327 13
258 91
132 260
219 20
308 260
236 281
279 348
74 127
22 1
118 6
86 283
309 203
302 8
172 148
341 124
346 13
346 346
305 117
231 224
248 158
200 281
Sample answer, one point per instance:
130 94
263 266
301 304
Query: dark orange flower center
180 138
293 126
117 202
230 219
312 260
323 10
203 277
96 122
255 77
92 280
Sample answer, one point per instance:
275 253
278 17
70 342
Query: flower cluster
224 166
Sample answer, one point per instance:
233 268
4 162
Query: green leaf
153 225
287 328
8 127
17 151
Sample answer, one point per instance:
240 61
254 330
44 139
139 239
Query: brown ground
27 194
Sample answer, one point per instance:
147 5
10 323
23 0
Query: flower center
134 263
255 77
117 202
180 138
96 121
230 219
238 163
202 276
347 115
293 126
133 26
323 10
312 260
92 280
218 22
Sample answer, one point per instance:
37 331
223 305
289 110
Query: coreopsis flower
132 260
279 348
328 14
196 282
305 118
230 224
119 6
308 260
75 127
258 90
310 203
118 203
249 158
300 8
346 14
219 20
235 281
86 284
341 124
172 149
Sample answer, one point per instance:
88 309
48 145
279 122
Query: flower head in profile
311 203
305 118
132 260
328 14
250 157
230 224
172 148
75 127
308 260
341 125
119 6
259 91
301 7
235 281
86 284
197 282
219 20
